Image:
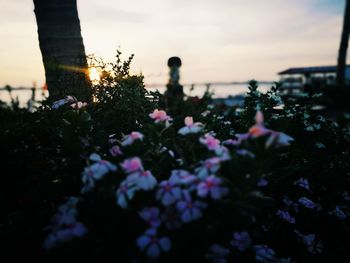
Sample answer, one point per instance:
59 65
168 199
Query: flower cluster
218 188
182 191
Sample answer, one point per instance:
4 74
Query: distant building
296 78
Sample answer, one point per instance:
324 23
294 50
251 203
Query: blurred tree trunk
343 46
62 48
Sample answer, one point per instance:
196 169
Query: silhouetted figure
174 93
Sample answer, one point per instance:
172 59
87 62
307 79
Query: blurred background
218 41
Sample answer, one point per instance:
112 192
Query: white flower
64 225
59 103
125 193
208 167
190 126
96 171
143 179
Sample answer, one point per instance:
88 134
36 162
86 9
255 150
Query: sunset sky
221 40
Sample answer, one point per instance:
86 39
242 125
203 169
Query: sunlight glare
94 75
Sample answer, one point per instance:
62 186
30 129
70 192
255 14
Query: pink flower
132 165
78 105
211 142
190 126
211 186
258 130
160 116
130 138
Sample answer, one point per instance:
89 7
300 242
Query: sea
220 91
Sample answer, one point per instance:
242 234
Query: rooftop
309 70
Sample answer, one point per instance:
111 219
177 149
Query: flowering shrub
123 178
173 183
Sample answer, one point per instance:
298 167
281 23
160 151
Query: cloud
104 12
222 40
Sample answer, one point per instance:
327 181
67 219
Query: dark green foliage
44 152
122 100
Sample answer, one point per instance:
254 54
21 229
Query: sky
217 40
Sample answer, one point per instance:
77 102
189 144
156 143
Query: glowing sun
94 75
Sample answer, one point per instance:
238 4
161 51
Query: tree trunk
343 47
62 48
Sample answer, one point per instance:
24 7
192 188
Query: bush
210 184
